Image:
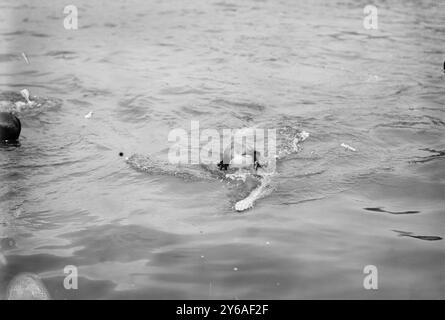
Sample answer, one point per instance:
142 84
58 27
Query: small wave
14 33
378 209
135 108
181 90
196 111
7 57
411 235
24 32
303 200
62 54
439 154
157 167
239 104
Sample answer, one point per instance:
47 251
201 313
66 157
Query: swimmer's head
240 161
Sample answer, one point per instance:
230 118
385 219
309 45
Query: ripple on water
411 235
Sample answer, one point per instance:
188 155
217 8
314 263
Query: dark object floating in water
121 154
410 234
10 127
391 212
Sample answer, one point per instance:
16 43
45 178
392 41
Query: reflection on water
147 67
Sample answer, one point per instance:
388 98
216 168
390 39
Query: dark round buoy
10 127
121 154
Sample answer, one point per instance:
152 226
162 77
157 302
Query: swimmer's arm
256 194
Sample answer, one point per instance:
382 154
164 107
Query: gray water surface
147 67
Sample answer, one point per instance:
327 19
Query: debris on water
235 269
27 286
267 242
121 154
348 147
25 58
89 115
202 257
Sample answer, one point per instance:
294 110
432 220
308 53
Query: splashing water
17 102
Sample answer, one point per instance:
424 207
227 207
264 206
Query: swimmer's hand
20 104
223 166
25 94
244 204
256 194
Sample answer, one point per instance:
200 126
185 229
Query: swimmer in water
241 158
240 161
237 162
